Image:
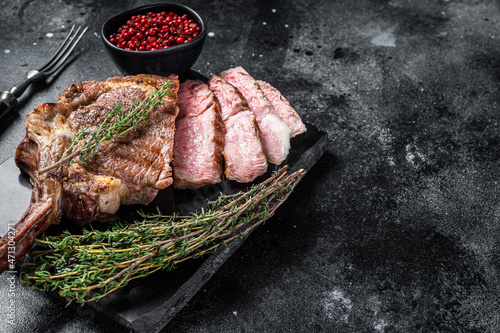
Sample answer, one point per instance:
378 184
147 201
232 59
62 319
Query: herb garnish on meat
117 123
86 267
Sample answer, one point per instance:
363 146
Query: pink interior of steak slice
198 142
230 99
283 108
275 132
243 148
243 152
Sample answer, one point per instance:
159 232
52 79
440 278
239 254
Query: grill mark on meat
243 148
198 142
275 132
283 108
93 191
134 158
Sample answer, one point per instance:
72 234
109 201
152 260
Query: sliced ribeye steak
243 148
274 131
283 108
125 170
199 137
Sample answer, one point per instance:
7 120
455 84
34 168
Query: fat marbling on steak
275 132
199 137
243 148
283 108
126 170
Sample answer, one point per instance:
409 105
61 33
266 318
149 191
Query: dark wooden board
148 304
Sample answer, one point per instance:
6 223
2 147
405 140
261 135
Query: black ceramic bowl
176 59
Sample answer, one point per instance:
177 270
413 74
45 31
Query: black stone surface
395 229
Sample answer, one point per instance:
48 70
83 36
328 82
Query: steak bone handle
21 237
41 213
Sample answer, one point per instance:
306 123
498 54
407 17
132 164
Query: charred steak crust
142 157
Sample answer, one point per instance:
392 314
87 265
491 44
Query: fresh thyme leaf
87 267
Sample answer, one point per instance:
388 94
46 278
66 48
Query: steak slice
243 148
127 170
198 142
283 108
275 132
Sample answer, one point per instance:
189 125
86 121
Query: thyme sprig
118 123
87 267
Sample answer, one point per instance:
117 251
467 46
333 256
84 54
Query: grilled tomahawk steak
126 170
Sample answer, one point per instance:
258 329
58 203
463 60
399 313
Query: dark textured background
396 229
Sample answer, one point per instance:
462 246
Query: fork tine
59 49
64 51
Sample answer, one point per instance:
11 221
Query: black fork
8 99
